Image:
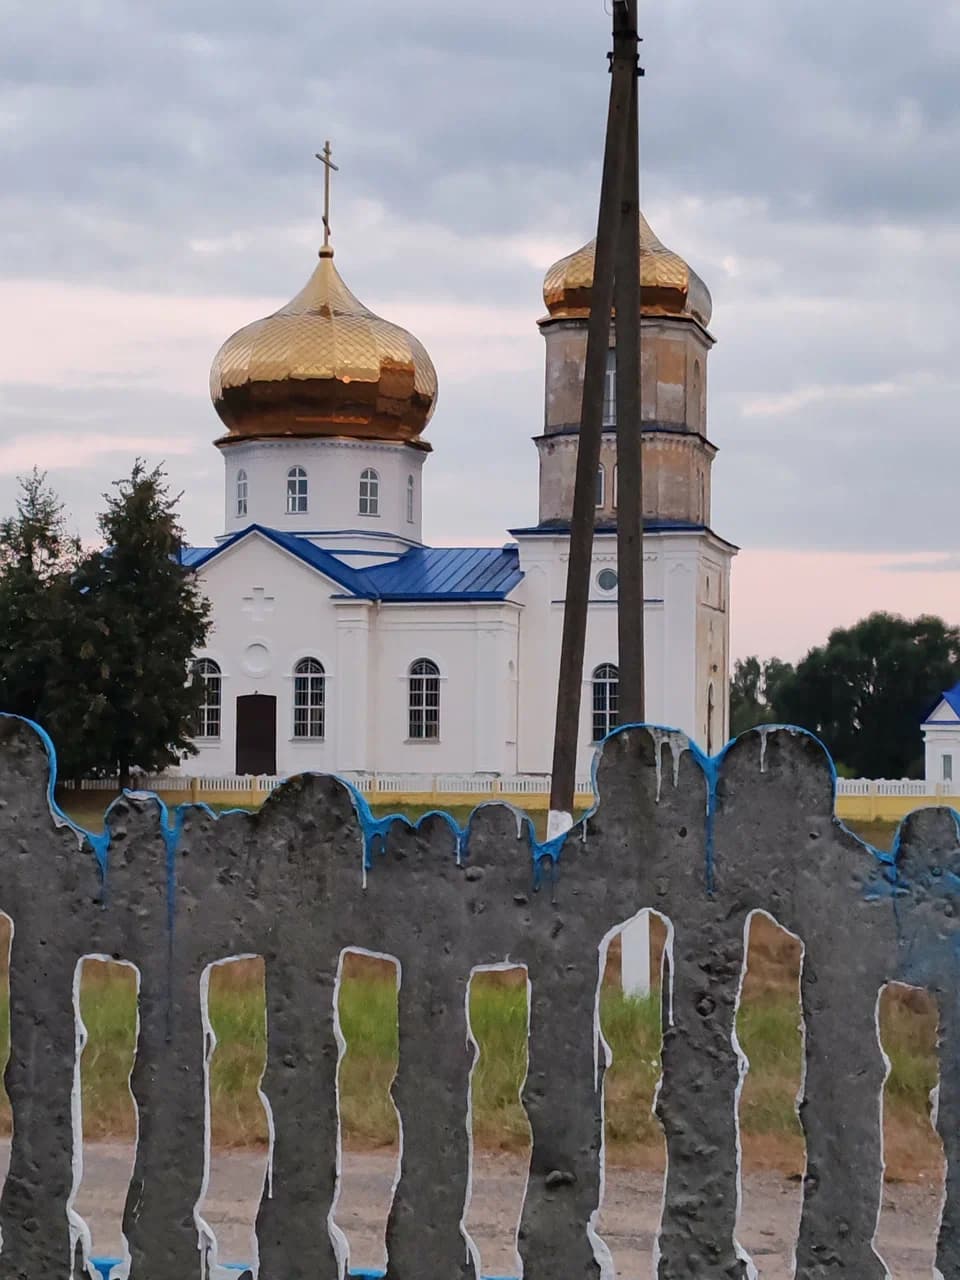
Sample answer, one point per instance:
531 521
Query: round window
607 580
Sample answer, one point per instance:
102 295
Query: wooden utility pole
631 708
617 230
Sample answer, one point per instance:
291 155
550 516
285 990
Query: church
341 643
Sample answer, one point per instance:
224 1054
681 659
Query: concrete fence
704 843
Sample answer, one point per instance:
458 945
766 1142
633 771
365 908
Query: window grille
606 696
309 701
424 700
211 699
296 491
369 493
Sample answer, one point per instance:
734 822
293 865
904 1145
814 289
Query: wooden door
257 734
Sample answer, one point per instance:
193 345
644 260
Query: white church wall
473 646
334 469
544 561
269 611
713 646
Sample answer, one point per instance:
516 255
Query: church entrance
257 734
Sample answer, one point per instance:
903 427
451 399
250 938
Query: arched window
410 493
610 390
211 698
424 701
601 486
606 697
296 491
308 699
369 493
242 490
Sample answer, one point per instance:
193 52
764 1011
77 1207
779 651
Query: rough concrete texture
703 843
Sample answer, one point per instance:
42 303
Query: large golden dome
323 365
668 285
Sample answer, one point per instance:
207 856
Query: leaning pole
616 277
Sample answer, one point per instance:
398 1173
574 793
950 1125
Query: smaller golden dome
668 285
323 365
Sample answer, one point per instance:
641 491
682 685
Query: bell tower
675 343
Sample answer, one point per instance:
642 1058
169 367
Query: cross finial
326 159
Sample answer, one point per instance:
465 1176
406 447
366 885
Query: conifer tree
38 559
127 700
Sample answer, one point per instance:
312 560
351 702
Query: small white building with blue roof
341 643
941 740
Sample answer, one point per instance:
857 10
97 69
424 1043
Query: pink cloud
785 602
61 451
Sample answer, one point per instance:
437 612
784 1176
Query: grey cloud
180 120
779 140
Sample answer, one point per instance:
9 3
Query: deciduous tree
753 692
866 690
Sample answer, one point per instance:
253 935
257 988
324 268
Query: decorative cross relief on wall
258 604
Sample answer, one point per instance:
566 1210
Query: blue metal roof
447 573
422 573
190 555
553 528
342 574
952 699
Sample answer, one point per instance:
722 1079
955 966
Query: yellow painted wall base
886 808
869 808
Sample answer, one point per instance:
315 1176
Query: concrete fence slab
705 843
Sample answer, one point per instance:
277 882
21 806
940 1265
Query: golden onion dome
668 285
323 365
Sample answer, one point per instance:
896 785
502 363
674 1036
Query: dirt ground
628 1223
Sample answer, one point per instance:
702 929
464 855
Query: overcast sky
160 191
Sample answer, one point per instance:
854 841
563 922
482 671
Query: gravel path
628 1222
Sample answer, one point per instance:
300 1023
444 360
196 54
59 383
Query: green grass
767 1028
498 1021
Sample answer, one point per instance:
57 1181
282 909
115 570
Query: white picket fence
916 787
472 784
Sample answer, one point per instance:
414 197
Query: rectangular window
610 390
947 768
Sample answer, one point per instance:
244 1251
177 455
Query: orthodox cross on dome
326 159
258 604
